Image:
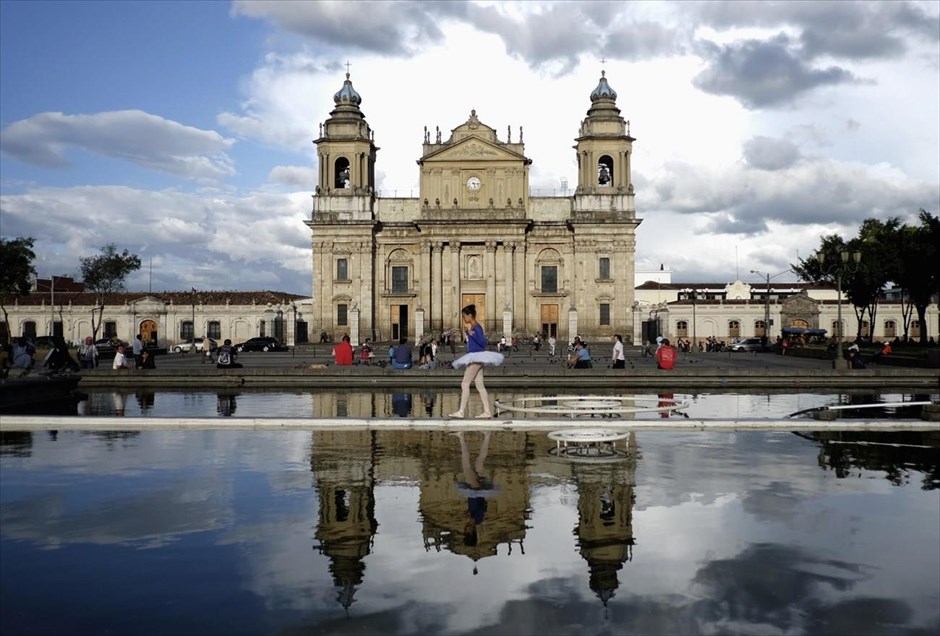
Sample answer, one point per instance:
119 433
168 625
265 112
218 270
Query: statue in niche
473 267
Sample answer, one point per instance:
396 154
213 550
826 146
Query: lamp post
839 268
192 299
690 293
768 278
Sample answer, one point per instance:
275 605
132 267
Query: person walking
137 347
476 357
617 359
88 354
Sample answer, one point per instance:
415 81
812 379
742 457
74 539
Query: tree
918 275
105 274
16 267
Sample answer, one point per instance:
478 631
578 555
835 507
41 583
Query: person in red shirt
343 353
666 356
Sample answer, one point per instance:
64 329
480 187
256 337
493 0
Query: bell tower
346 148
604 146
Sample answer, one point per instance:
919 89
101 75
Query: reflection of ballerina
474 359
226 405
476 487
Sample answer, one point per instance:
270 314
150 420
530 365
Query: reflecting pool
407 402
406 532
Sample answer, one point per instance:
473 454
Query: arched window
398 272
915 329
891 329
734 329
549 271
215 329
865 329
29 330
836 331
760 329
682 328
605 171
341 170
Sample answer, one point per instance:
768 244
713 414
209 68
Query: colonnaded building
386 268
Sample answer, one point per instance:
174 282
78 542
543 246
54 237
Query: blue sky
182 131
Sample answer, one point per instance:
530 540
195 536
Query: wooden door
148 332
479 301
549 320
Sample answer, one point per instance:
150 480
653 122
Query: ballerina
476 357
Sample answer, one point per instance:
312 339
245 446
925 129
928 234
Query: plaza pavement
311 365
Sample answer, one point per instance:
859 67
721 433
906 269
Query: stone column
437 314
520 296
572 324
456 273
509 277
490 268
354 325
419 324
424 267
382 325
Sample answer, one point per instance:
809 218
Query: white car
198 343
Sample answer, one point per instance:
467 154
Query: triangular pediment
473 148
148 303
799 302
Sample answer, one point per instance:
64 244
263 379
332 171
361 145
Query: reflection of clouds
769 585
824 555
153 518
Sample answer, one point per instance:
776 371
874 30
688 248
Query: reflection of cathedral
389 267
605 518
448 524
347 466
343 466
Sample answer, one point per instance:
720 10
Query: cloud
393 28
198 238
298 176
766 153
848 30
763 74
133 135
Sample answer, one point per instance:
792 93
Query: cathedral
390 268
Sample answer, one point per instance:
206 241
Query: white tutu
483 357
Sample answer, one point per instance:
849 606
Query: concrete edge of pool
11 423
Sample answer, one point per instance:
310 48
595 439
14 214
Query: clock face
473 184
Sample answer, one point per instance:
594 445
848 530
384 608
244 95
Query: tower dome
603 90
347 94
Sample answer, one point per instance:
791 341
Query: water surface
329 532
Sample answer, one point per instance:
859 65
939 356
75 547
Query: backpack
225 356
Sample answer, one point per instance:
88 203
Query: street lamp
839 268
769 278
192 299
691 294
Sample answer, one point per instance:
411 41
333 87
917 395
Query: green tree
104 274
16 267
917 270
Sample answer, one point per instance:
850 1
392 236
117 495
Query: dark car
261 343
108 344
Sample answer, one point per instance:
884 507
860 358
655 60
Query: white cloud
199 238
141 138
297 176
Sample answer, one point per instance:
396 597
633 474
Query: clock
473 184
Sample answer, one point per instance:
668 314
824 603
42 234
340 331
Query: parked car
749 344
198 343
261 343
108 344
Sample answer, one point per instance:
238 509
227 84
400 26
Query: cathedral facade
386 268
